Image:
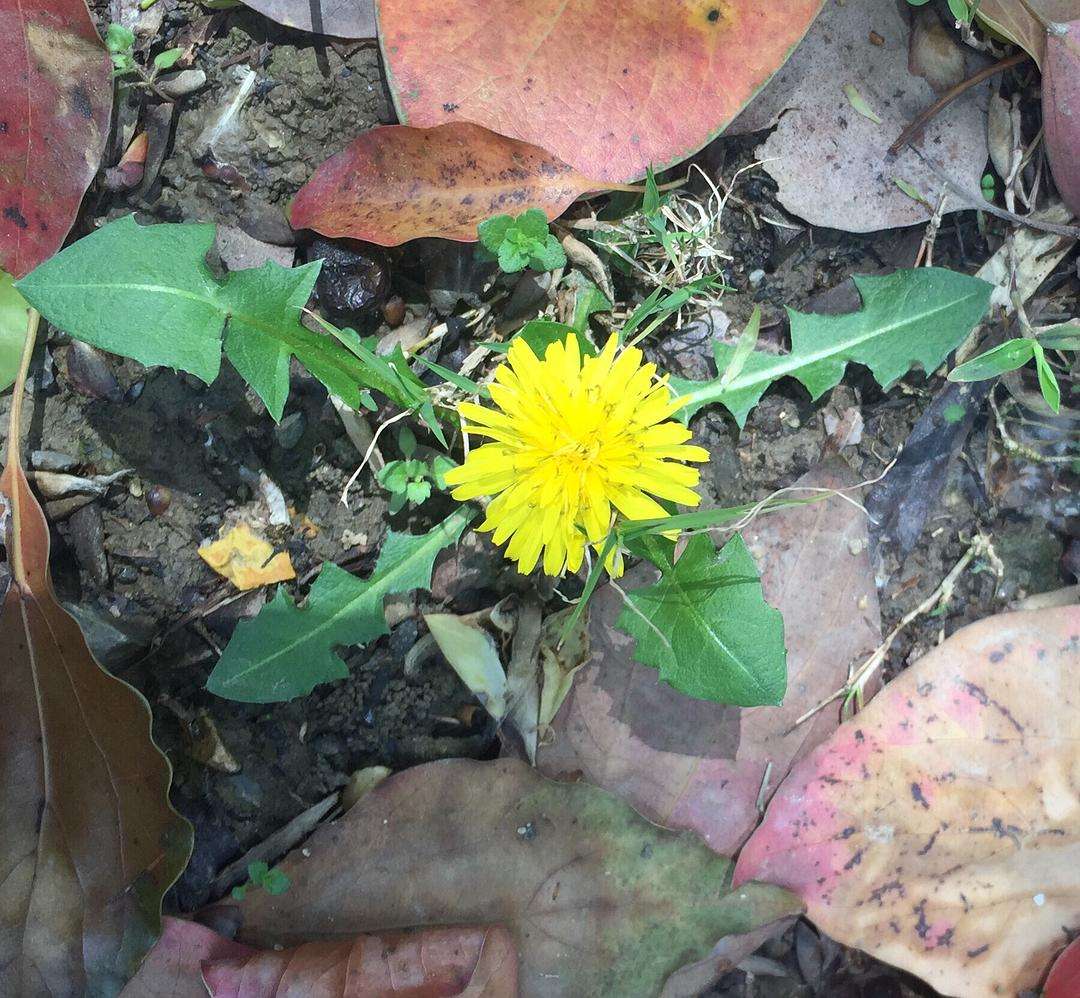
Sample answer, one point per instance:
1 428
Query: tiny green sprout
274 882
410 480
953 413
988 186
520 242
120 42
167 59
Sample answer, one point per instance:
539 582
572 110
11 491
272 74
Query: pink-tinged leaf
397 183
609 86
173 968
1064 979
1061 112
700 766
939 830
55 102
432 963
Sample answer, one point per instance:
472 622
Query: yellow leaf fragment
245 559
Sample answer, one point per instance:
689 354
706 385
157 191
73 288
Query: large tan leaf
600 902
90 842
940 829
831 161
697 765
608 86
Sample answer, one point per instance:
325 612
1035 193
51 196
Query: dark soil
159 616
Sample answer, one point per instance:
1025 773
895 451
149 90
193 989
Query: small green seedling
410 480
988 186
274 882
520 242
1014 354
120 42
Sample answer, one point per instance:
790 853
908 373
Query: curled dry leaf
939 830
831 163
702 766
90 841
613 89
433 963
1061 112
397 183
246 559
599 901
55 101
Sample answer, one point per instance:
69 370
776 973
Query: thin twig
912 131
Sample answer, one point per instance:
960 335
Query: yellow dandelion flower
575 443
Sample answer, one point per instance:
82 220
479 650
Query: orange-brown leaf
609 86
55 102
940 828
432 963
90 842
397 183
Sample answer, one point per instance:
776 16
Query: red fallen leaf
397 183
701 766
1061 112
939 829
55 102
173 968
1064 979
340 18
90 840
432 963
609 88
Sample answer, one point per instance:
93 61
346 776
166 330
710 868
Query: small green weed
120 42
410 480
274 882
520 242
1014 354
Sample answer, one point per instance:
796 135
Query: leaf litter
253 768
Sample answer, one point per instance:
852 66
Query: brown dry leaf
434 963
245 559
697 765
599 901
397 183
1012 19
939 830
90 841
831 163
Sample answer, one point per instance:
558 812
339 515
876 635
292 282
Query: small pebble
393 311
158 499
